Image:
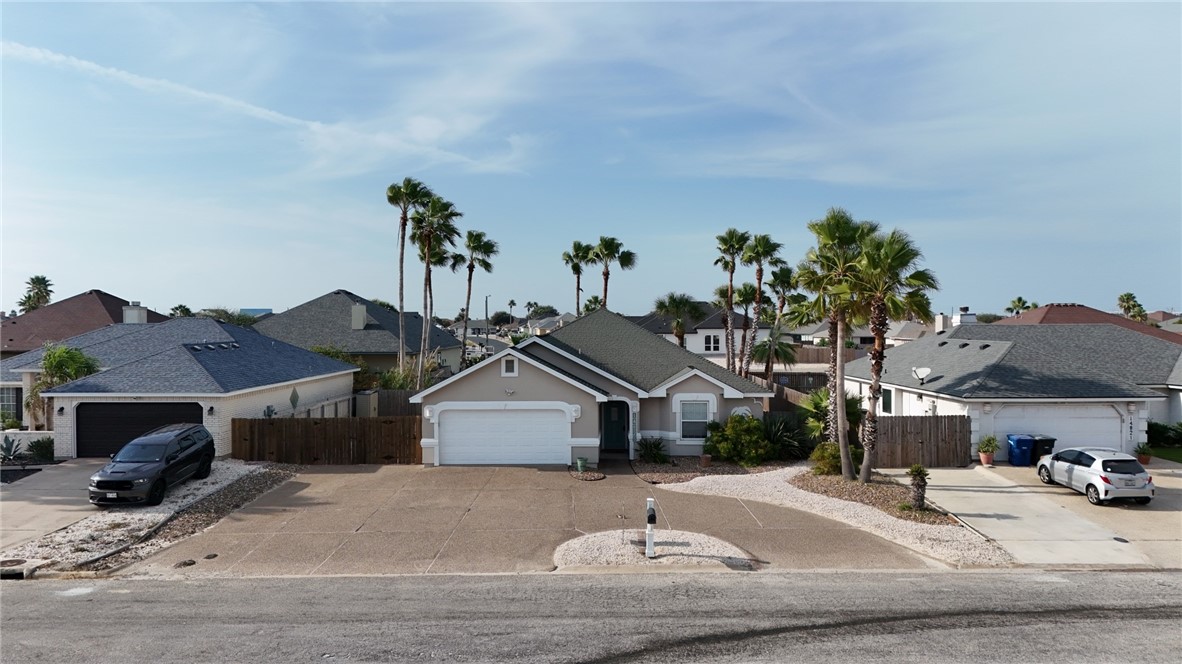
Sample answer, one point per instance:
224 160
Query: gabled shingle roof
188 356
712 319
1078 314
614 344
64 319
1032 362
327 321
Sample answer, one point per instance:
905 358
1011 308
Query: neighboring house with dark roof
902 331
1078 314
705 336
60 320
550 323
183 370
359 327
1082 384
596 385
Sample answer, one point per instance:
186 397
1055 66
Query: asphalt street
940 616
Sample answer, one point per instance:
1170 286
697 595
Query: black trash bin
1043 445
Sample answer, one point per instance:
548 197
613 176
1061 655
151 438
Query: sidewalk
46 501
1035 530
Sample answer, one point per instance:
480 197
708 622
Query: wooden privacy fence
345 440
397 402
936 441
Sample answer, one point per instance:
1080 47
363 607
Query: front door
615 426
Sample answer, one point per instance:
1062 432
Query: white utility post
651 517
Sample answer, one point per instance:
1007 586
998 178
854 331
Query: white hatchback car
1100 473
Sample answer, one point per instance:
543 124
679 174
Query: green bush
786 435
652 450
8 421
1161 434
826 458
740 441
41 449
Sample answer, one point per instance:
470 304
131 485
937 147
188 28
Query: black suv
148 465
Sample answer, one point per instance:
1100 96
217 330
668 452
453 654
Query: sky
237 155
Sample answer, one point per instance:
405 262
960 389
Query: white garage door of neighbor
1073 426
526 437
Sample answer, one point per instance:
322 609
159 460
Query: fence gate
344 440
936 441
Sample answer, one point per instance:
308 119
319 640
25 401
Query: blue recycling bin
1021 448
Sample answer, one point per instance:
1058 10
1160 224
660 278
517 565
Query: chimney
134 314
359 316
942 323
963 317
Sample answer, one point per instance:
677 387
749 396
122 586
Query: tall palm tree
433 227
512 320
827 271
38 290
891 287
1017 306
774 349
782 284
681 308
608 250
408 195
761 250
180 311
529 309
1127 302
480 252
745 296
730 248
578 257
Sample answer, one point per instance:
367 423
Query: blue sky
237 154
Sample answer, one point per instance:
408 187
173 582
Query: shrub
826 458
1161 434
787 437
652 450
919 486
8 421
988 445
740 441
41 449
10 450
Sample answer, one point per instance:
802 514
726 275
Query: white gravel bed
956 545
111 527
626 547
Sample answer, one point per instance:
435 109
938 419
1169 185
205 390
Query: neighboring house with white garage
183 370
591 387
1082 384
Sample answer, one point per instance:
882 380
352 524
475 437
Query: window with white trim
508 366
713 343
694 416
887 398
10 402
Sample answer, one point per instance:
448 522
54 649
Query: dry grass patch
882 493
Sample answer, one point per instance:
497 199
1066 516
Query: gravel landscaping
684 469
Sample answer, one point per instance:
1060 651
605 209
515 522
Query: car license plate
1130 483
112 495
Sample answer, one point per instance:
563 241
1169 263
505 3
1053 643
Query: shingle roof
1078 314
712 319
163 358
622 348
327 321
1032 361
64 319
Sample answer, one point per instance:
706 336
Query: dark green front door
615 426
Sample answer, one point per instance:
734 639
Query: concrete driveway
345 520
46 501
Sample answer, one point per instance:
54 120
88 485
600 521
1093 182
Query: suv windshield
1123 467
140 453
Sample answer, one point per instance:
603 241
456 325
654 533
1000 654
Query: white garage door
525 437
1073 426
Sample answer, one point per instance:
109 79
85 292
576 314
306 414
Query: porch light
209 411
61 410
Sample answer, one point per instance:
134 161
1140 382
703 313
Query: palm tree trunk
843 438
578 294
420 371
878 326
467 315
744 349
756 313
606 275
401 278
730 322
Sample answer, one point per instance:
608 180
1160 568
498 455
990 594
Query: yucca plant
919 486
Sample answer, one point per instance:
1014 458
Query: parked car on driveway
144 469
1100 473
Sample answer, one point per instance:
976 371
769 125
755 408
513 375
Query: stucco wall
659 417
312 395
531 384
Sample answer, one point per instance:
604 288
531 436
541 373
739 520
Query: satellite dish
920 373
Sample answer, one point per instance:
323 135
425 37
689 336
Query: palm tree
782 285
410 194
431 227
38 290
593 303
180 311
610 249
529 309
578 256
730 248
761 250
1017 306
59 365
1127 302
891 288
453 261
1139 314
827 271
745 297
774 349
480 250
681 308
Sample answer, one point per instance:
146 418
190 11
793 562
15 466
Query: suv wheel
204 469
1044 474
1094 495
156 493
